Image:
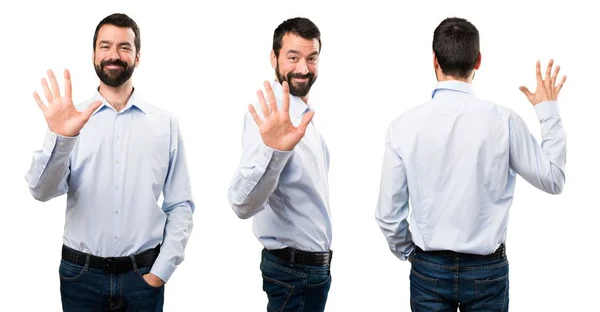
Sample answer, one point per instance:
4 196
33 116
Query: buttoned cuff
56 143
406 254
272 158
546 109
163 269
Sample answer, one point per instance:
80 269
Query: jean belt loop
292 257
135 268
87 262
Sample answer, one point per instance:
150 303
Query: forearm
554 145
396 231
541 165
49 170
178 229
255 180
393 204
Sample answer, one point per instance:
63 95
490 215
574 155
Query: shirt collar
453 85
134 101
297 106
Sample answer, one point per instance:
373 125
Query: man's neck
117 97
442 77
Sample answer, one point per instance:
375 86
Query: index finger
67 83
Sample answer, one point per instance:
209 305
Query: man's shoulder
491 106
156 110
411 113
431 106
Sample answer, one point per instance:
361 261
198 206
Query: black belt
111 264
295 256
499 253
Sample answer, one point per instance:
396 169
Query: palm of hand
276 128
61 115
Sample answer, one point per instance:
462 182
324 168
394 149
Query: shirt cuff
406 254
546 109
274 159
163 269
56 143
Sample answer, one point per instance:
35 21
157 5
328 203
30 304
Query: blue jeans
86 289
293 287
447 282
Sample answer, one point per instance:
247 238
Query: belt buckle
111 264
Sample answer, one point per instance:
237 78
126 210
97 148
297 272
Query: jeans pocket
318 276
318 280
423 292
317 292
141 272
68 271
491 294
278 293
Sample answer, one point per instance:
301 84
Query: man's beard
298 89
114 77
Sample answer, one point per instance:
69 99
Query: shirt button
116 187
116 212
115 237
117 162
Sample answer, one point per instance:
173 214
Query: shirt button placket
117 176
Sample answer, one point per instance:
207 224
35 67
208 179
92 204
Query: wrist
279 147
154 280
63 133
158 279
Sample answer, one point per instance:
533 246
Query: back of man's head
456 46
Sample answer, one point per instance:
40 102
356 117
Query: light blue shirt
113 173
286 192
458 157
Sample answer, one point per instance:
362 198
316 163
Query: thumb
525 91
91 109
305 121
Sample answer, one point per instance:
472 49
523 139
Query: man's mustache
113 63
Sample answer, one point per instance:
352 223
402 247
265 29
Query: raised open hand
60 113
276 128
546 90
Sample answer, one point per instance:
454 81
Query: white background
204 63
